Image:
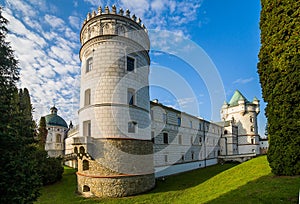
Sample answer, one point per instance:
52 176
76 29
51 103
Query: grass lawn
249 182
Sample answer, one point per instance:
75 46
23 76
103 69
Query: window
191 124
252 140
87 128
58 138
193 155
85 165
192 139
179 121
252 128
164 117
131 97
182 157
200 140
86 188
166 138
251 119
81 150
225 132
89 64
166 158
130 64
87 97
151 114
152 137
200 126
179 139
132 127
75 150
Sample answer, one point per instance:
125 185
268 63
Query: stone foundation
114 186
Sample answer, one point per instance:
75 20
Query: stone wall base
114 186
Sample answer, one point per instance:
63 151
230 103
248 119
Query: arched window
58 138
85 165
81 150
251 119
75 150
225 132
131 96
87 97
180 139
86 188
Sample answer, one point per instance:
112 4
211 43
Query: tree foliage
19 179
42 133
278 68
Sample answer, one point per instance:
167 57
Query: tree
278 69
42 133
19 179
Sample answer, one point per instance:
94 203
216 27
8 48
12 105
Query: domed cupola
55 120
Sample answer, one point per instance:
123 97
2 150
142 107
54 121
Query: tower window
191 124
152 137
251 119
85 165
193 155
132 127
225 132
166 138
89 64
131 96
58 138
87 97
164 117
166 158
252 140
75 150
86 188
81 150
180 139
130 64
252 128
179 121
87 129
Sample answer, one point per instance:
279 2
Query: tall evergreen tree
19 179
278 68
42 133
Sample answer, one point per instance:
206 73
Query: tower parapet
114 148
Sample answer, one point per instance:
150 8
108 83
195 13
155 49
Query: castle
124 141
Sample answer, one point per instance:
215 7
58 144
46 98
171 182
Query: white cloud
54 21
243 81
74 22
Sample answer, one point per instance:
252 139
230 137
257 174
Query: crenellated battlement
113 11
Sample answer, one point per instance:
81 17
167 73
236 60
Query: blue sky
202 51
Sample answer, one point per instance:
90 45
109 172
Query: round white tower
114 148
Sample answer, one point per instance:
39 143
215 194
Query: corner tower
242 114
114 146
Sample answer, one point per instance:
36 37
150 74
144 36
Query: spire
237 96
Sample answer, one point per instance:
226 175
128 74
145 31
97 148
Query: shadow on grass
189 179
266 189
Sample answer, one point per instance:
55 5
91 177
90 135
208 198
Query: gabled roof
237 96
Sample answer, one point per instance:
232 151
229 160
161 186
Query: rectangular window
180 139
200 126
89 64
151 114
179 121
166 138
166 158
130 64
87 97
132 127
87 129
164 117
152 136
131 97
191 124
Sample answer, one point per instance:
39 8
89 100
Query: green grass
249 182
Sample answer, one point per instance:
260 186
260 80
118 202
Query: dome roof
55 120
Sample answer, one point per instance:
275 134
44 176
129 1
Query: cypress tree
42 133
278 69
19 179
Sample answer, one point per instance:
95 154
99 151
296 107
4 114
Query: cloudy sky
201 51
